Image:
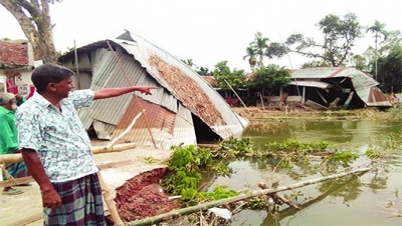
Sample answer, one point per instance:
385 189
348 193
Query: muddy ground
143 196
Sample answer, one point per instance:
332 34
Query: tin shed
184 110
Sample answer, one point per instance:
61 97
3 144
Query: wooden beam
29 179
14 158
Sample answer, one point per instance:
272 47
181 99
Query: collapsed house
335 87
184 110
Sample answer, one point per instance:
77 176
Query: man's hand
146 89
51 199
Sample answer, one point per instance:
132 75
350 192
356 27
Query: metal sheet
107 73
373 97
154 126
146 64
186 85
184 132
360 79
363 84
321 85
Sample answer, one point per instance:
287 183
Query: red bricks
13 53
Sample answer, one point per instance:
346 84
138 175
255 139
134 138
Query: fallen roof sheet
364 84
179 81
322 85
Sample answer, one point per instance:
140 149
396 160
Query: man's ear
51 87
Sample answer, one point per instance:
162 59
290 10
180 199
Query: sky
206 31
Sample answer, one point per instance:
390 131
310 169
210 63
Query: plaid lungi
81 203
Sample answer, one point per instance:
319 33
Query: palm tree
260 44
189 62
251 55
378 30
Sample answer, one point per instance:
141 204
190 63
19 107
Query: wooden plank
29 179
13 158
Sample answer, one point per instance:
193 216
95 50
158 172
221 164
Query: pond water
374 198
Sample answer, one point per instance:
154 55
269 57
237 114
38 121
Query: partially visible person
392 98
20 99
9 139
57 149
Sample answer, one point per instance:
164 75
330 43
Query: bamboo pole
188 210
111 205
14 158
236 95
29 179
125 131
114 148
275 195
262 102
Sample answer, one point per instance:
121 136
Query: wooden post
111 205
236 94
262 102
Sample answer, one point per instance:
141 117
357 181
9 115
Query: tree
390 63
260 45
224 76
189 62
204 71
378 30
251 55
315 63
270 78
360 62
34 19
339 38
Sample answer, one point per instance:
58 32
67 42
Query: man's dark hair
49 73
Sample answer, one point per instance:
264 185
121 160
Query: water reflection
347 188
328 188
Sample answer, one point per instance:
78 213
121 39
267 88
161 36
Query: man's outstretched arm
114 92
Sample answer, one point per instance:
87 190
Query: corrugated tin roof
108 74
361 78
321 85
373 97
168 110
155 117
185 84
363 84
